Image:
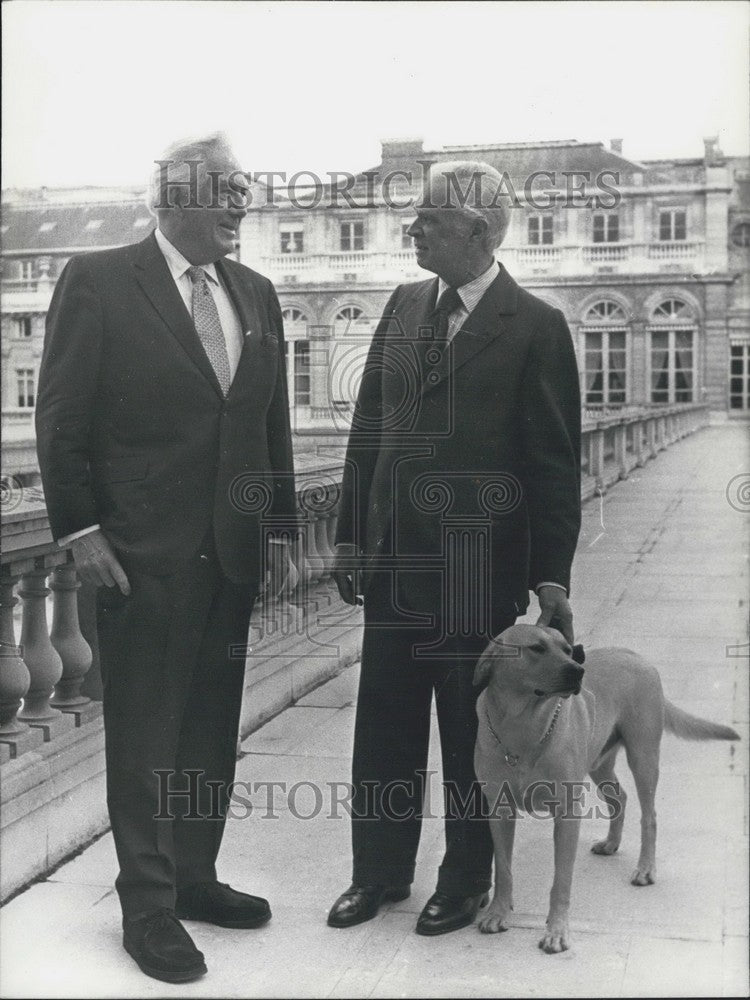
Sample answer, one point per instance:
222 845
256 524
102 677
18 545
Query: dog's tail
690 727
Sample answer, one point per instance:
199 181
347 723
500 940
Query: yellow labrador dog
536 744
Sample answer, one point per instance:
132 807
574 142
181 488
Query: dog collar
511 759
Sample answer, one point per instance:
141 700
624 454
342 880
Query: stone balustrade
563 260
51 739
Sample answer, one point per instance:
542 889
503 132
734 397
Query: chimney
712 152
402 149
616 146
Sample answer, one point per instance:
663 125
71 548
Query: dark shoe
442 913
217 903
162 947
362 902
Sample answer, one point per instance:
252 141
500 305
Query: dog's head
531 660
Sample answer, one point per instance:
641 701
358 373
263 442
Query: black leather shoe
162 947
220 904
442 913
362 902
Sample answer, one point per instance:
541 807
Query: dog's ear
578 654
484 666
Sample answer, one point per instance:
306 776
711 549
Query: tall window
606 228
539 230
21 326
292 239
406 240
352 236
26 270
739 377
604 375
301 370
673 224
25 386
672 353
297 356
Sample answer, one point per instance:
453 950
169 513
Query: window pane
613 234
598 229
665 225
679 226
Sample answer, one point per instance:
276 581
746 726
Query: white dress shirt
471 294
230 323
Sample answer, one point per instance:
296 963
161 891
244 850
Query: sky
92 92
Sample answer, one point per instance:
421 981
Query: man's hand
346 572
96 562
282 573
553 604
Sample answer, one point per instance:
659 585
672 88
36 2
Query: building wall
340 292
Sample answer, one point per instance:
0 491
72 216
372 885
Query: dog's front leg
556 937
495 917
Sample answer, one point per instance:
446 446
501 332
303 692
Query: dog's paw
605 847
644 875
556 939
494 919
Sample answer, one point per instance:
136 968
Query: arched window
671 311
297 356
293 315
352 330
673 352
604 379
606 311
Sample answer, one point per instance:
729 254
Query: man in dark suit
165 450
461 493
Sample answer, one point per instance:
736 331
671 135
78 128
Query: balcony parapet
524 261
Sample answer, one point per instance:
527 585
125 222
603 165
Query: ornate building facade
649 262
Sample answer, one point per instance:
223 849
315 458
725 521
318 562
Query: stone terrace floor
662 568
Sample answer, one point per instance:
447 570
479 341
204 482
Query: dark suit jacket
133 431
474 458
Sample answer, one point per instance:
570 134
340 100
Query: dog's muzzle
570 682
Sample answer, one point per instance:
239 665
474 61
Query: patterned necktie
208 325
448 302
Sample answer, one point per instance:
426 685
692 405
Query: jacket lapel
480 328
154 277
255 341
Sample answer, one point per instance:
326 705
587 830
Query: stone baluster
596 457
322 545
313 558
651 436
40 656
331 523
299 595
621 450
67 639
14 675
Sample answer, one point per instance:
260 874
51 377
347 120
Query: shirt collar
473 290
178 264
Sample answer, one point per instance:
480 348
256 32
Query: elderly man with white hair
461 494
162 408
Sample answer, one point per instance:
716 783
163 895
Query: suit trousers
173 662
391 743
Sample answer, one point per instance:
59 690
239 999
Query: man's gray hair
173 167
475 188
